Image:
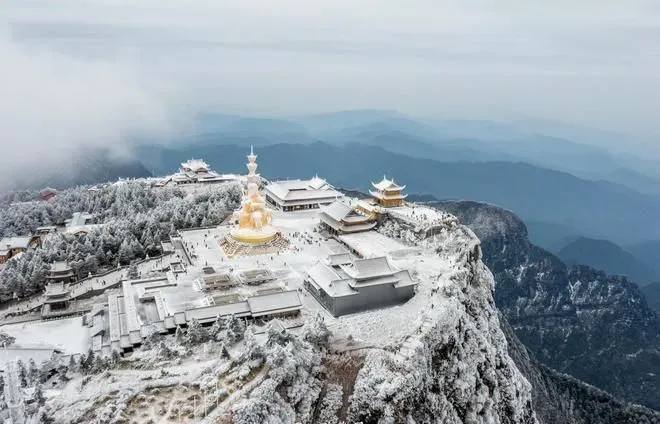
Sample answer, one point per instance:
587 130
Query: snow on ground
372 328
372 244
420 214
67 334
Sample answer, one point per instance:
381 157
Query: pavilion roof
195 165
386 184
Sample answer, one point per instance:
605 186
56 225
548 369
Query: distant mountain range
609 257
540 143
597 209
652 294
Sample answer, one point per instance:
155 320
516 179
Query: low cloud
53 105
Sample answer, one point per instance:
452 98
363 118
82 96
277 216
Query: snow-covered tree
196 334
136 218
316 332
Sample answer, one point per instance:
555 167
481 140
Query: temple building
388 194
79 225
341 218
57 300
12 246
60 272
292 195
344 285
198 171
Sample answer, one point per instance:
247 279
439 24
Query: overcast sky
90 71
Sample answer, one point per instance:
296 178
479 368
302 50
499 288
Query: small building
341 218
57 300
255 277
388 194
60 272
5 254
78 219
46 229
217 281
15 245
292 195
47 193
263 306
344 287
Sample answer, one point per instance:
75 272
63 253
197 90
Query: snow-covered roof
47 228
78 219
292 190
238 309
327 278
344 218
255 306
346 278
195 165
386 184
80 229
317 183
60 266
21 242
370 268
274 303
337 210
340 259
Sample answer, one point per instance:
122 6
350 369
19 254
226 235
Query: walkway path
86 285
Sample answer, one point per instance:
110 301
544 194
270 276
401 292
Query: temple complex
387 193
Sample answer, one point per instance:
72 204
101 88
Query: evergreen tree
22 374
196 334
179 335
39 395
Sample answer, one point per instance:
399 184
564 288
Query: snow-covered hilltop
318 311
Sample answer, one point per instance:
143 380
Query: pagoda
254 218
387 193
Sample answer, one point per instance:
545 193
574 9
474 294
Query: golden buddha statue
254 218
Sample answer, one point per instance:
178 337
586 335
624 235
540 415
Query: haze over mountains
564 189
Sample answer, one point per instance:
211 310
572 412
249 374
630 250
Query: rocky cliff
455 368
576 320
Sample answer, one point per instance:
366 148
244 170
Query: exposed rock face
576 320
456 368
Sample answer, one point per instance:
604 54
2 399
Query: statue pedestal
262 235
